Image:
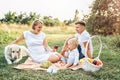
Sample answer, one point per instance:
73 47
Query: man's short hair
80 22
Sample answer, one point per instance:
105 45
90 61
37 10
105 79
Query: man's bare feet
76 67
63 67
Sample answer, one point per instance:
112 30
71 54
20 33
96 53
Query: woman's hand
55 48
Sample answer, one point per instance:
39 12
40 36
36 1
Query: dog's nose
13 59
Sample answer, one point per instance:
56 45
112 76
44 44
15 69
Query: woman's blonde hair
36 22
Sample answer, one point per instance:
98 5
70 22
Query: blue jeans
68 60
80 52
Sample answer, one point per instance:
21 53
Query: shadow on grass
3 62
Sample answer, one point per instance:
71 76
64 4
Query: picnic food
97 62
90 60
94 62
81 60
46 64
56 47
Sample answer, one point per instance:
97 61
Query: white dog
14 53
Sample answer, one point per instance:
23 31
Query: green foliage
23 18
9 17
76 18
115 42
68 22
109 56
109 71
48 21
104 18
71 21
5 37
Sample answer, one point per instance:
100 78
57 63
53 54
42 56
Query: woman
36 42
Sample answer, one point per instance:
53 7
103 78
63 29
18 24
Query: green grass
110 57
109 71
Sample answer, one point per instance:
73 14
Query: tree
105 17
10 17
22 18
33 16
56 22
68 22
49 21
76 18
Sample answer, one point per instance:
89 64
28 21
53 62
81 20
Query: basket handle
100 49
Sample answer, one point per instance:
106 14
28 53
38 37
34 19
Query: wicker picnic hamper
86 65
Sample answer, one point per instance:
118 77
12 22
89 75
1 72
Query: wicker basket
86 65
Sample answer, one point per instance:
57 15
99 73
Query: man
83 38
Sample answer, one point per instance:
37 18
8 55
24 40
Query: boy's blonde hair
73 41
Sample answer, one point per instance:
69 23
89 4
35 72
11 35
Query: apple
46 64
99 63
94 62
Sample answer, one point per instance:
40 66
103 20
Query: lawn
109 56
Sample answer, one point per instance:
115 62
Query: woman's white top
35 46
84 37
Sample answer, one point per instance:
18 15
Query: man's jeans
80 52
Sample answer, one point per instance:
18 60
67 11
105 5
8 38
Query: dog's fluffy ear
8 49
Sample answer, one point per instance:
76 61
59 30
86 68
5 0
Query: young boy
71 57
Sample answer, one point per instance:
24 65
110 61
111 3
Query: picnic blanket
29 64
